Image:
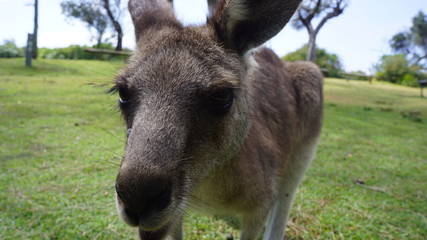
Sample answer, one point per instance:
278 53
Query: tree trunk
29 50
36 26
119 40
116 25
306 13
99 40
311 48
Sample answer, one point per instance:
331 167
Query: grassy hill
61 141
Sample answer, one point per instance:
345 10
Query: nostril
163 198
157 188
144 198
159 194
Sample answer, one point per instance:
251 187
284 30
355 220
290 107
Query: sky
359 36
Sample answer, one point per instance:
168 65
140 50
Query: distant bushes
359 75
396 69
71 52
10 50
78 52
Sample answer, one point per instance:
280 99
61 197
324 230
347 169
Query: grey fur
189 148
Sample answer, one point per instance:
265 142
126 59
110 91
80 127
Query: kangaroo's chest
233 190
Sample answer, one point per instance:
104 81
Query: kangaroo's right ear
212 5
148 14
246 24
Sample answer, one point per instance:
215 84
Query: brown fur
181 154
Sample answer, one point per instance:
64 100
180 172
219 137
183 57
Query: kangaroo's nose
143 198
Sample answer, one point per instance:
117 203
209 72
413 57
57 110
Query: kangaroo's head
186 100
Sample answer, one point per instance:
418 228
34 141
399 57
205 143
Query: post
29 50
423 83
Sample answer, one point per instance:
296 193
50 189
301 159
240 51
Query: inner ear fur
246 24
148 14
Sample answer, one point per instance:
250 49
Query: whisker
104 129
99 146
199 205
109 161
183 160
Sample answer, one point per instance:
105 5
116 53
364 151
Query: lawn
61 141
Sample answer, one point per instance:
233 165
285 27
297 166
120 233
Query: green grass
58 164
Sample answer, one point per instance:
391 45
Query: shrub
392 68
70 52
78 52
324 59
359 75
409 80
10 50
396 69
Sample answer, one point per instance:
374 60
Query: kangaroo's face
183 101
185 98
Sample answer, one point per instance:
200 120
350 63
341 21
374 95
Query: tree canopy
90 13
98 15
413 42
329 61
397 69
311 9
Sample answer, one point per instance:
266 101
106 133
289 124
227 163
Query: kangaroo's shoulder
303 76
307 79
265 57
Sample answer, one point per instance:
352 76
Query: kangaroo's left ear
155 14
246 24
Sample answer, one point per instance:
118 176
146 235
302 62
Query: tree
400 42
311 9
329 61
413 42
36 26
33 53
114 18
397 69
90 13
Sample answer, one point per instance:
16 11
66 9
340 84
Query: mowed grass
61 141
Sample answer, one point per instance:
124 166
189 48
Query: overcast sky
359 36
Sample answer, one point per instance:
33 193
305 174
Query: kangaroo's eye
219 102
121 101
124 95
124 98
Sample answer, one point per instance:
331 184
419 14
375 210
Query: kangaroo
215 123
